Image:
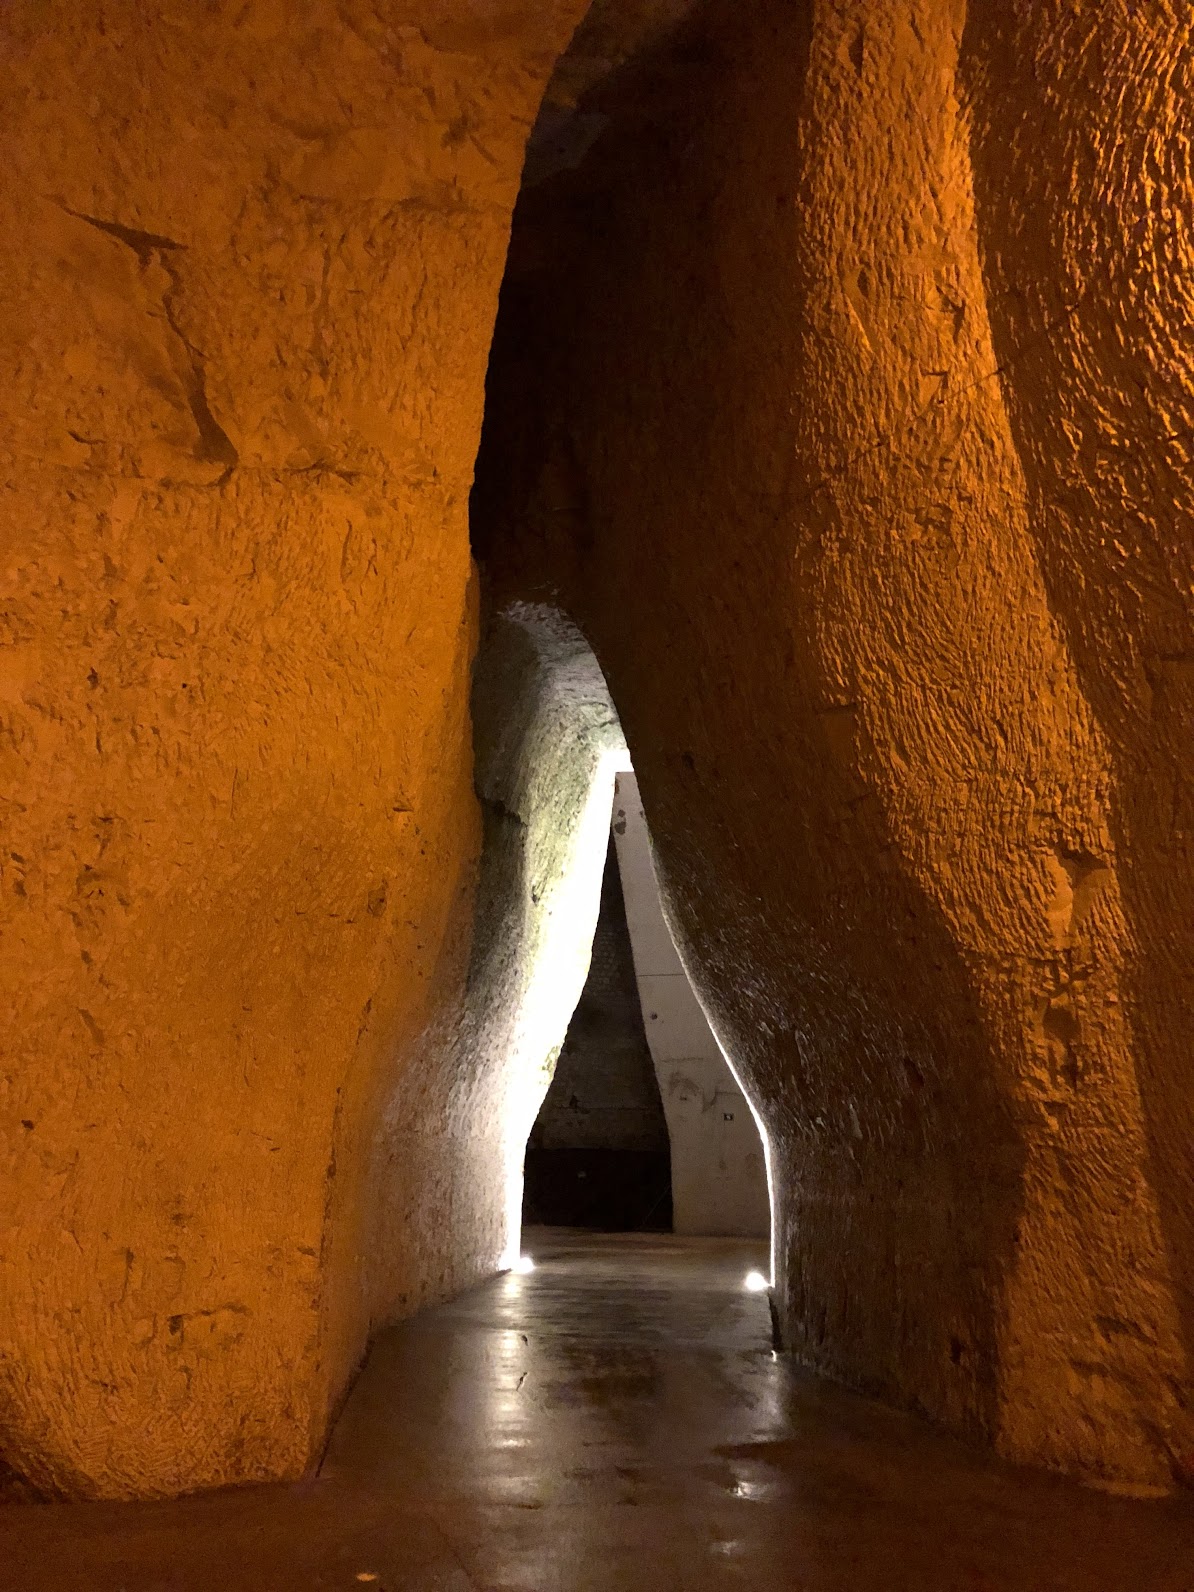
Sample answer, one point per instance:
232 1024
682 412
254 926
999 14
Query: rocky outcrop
547 747
250 268
841 390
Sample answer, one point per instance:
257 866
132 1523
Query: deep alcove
598 1155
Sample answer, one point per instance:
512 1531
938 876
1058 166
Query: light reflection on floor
615 1421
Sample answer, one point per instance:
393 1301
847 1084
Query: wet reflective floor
615 1422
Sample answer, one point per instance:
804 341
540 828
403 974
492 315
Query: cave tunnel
596 587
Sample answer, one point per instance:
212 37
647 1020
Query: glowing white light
522 1265
561 944
764 1136
755 1282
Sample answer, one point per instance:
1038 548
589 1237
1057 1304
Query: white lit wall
719 1175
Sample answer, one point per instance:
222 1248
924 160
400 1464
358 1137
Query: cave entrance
599 1153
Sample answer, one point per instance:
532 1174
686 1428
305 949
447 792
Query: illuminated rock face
843 393
251 263
548 745
843 390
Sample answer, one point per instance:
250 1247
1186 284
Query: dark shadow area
607 1191
598 1155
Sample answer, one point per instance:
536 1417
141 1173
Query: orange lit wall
845 392
842 393
251 262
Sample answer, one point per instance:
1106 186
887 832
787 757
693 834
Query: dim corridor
615 1421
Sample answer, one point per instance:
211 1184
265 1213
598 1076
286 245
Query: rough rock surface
842 390
547 747
250 266
843 393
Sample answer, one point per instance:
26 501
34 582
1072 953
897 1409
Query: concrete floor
615 1422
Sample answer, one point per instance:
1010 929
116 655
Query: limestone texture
547 748
250 266
842 391
841 401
